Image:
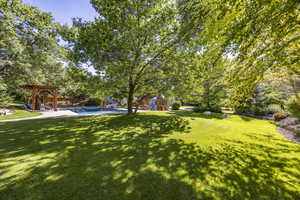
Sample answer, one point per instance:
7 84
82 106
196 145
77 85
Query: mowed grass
156 155
19 114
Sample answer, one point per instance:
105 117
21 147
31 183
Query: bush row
255 110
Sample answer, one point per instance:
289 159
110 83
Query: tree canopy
29 49
209 52
131 42
259 36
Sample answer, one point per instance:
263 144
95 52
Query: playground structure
109 102
151 102
145 102
162 103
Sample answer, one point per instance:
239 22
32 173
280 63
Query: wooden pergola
35 92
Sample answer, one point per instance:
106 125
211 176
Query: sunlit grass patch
177 155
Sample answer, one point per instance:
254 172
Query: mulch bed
290 135
266 117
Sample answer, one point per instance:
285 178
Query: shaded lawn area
19 113
149 156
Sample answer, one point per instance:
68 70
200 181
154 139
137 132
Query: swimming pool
97 111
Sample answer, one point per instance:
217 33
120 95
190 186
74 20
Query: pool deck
66 112
49 114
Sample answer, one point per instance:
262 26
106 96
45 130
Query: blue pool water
97 111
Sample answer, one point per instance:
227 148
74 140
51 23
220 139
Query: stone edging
290 135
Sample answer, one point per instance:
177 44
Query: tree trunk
136 107
130 99
207 93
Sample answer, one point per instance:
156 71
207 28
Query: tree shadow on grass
130 157
248 118
188 113
276 161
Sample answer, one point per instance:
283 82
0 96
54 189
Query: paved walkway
49 114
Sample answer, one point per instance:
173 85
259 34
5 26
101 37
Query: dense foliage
176 106
31 53
92 102
5 99
293 107
131 43
29 50
216 53
259 36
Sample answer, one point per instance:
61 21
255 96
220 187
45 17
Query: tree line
209 53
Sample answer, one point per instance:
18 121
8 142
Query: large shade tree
259 36
29 45
210 83
78 82
131 43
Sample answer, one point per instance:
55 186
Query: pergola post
33 98
55 100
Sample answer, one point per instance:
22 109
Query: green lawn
149 156
19 114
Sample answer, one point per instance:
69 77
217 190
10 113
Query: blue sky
64 10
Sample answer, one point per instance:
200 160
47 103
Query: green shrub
176 106
279 116
92 102
254 110
298 133
214 108
82 103
242 110
273 108
293 107
199 109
